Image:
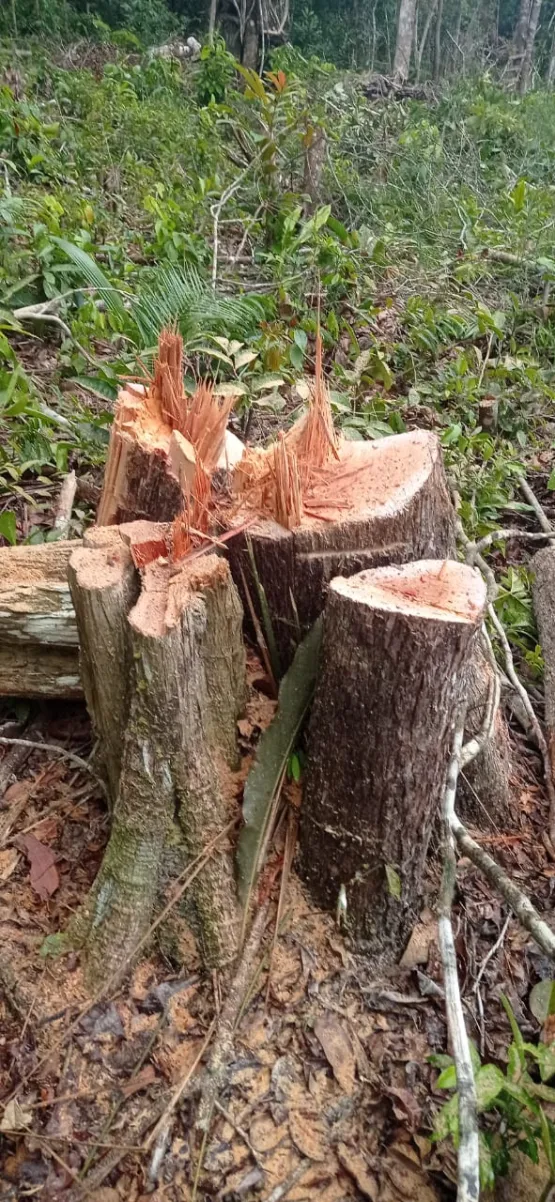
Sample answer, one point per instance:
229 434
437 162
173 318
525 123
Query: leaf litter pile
327 1090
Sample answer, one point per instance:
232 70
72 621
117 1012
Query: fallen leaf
308 1135
15 1117
19 792
44 874
418 946
356 1166
105 1194
146 1076
338 1051
9 860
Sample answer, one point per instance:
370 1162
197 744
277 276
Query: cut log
38 631
395 644
377 503
164 674
484 796
543 592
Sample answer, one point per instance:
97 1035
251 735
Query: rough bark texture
38 631
401 511
484 796
405 37
167 664
528 56
138 482
543 565
395 645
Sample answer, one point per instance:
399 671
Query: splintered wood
164 446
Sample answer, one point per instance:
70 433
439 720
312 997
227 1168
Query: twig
159 1134
491 953
64 507
538 732
496 536
52 748
281 1191
468 1164
216 209
521 905
538 509
19 754
241 1132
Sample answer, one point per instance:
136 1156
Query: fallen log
164 675
376 503
395 646
38 632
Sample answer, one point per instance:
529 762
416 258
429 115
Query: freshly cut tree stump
376 503
164 675
38 631
395 645
484 795
543 592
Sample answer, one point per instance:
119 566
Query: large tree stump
395 644
38 632
378 503
164 674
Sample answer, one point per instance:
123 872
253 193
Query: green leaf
517 1035
94 276
393 882
264 780
295 767
8 528
542 1000
98 385
245 356
447 1120
448 1078
296 356
489 1083
269 381
301 339
551 482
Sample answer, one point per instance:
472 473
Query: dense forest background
426 38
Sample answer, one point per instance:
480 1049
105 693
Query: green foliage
509 1101
214 74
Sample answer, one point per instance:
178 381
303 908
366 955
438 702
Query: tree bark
164 672
38 631
386 502
406 24
212 20
395 644
528 56
484 794
437 41
543 592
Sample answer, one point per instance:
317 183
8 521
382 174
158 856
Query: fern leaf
94 276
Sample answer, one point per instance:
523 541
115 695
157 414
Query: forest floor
332 1092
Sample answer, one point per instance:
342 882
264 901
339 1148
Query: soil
330 1074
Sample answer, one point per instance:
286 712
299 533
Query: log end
442 590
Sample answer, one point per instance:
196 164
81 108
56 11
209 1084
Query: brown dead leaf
18 792
418 946
308 1135
105 1194
265 1135
9 860
15 1117
338 1050
146 1076
355 1165
44 874
405 1180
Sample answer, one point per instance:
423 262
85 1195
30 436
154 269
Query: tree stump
378 503
164 675
38 631
484 795
395 644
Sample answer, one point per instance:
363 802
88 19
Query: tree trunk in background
405 37
395 648
521 30
528 57
437 42
550 76
424 39
212 20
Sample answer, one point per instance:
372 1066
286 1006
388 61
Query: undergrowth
427 252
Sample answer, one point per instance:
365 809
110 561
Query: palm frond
179 296
94 276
